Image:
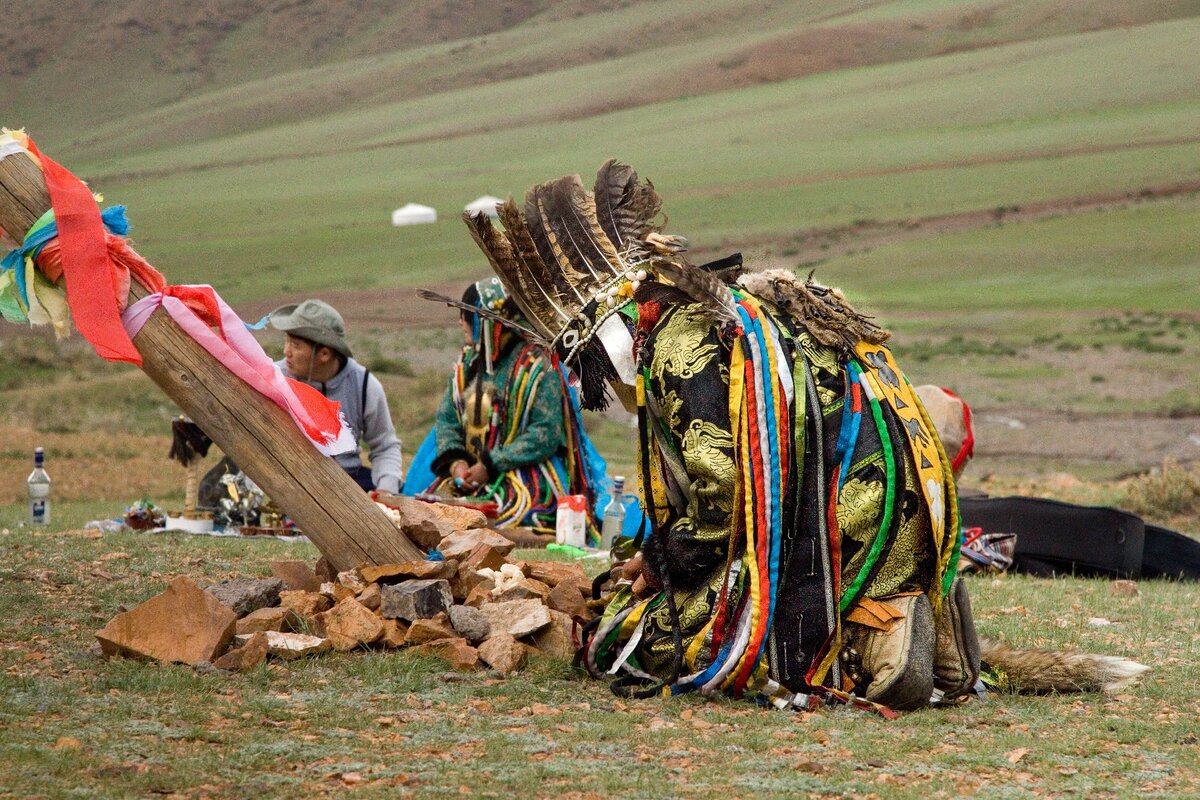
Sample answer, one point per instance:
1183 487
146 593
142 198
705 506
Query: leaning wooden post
341 520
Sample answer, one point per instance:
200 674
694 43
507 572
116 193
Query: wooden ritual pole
341 520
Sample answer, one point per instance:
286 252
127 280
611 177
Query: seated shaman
508 428
804 523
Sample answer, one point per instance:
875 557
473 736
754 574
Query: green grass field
396 724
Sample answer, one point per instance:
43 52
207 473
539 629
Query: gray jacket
370 421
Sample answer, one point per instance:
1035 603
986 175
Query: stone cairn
474 609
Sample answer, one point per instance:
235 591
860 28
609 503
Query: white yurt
413 214
486 204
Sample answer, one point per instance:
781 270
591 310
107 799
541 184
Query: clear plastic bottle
614 514
38 484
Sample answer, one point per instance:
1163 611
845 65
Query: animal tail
1045 671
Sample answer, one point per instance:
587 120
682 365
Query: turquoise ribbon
12 307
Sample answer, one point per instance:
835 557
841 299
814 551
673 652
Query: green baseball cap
314 320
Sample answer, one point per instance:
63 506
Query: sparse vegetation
1173 489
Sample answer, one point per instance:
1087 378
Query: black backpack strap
363 402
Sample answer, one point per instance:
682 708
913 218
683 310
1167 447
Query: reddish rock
566 598
370 596
517 617
325 570
459 545
454 651
184 624
463 582
482 556
296 575
503 653
246 657
553 573
427 524
481 593
269 619
429 630
556 640
525 589
395 573
395 634
306 604
350 624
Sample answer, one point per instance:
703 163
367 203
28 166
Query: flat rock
297 575
244 595
182 624
524 589
566 598
429 630
291 645
557 639
416 599
454 651
306 604
516 617
350 624
470 623
245 658
503 653
459 545
395 573
427 524
552 573
269 619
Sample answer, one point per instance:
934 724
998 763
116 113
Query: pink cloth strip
319 418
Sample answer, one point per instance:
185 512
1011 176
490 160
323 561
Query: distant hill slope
163 72
261 146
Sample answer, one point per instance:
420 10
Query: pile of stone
476 608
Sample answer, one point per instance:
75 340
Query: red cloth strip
92 291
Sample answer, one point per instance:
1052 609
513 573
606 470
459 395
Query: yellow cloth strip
749 559
924 446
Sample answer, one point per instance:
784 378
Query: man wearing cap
315 352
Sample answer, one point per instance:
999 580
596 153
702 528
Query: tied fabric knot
96 286
197 310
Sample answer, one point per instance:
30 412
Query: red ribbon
87 269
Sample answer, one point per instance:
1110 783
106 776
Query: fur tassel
1045 671
823 312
